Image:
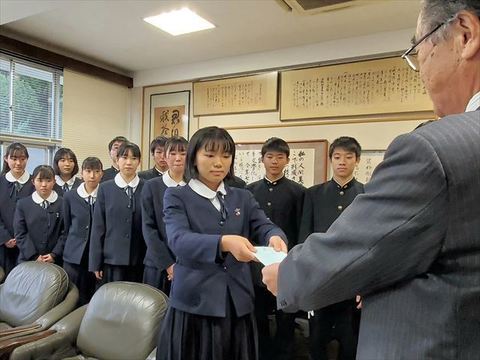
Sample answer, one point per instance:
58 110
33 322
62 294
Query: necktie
223 209
131 200
44 204
65 187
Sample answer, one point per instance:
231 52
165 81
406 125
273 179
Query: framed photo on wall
308 162
169 114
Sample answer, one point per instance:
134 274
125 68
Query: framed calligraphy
308 162
369 159
170 114
381 88
254 93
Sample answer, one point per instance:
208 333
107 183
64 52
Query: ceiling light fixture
178 22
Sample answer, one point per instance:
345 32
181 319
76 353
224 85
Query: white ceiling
112 32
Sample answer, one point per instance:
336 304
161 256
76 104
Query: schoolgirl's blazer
59 190
116 237
158 255
8 202
77 226
39 231
202 273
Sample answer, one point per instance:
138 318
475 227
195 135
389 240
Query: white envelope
267 255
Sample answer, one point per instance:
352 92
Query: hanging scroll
384 86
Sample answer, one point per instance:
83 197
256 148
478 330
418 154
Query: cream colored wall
94 111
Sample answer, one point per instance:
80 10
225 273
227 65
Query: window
31 105
30 100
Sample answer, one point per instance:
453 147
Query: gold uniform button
269 204
271 189
342 193
340 207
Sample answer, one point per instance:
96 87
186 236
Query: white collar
159 171
22 179
167 179
82 192
122 184
474 103
60 181
204 191
38 199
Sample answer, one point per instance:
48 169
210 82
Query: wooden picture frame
170 114
308 162
385 88
254 93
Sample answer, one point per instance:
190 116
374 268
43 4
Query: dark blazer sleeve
4 233
391 233
60 245
24 243
153 231
97 237
184 242
306 223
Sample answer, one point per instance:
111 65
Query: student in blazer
38 221
78 216
15 184
159 259
117 248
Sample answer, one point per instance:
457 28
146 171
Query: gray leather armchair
121 322
33 297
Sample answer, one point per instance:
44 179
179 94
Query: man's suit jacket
410 246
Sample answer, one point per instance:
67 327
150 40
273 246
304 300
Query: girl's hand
48 258
11 243
170 272
98 275
278 244
238 246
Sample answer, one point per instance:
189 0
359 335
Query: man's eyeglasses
410 55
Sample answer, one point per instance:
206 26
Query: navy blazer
77 219
109 174
158 254
116 237
39 231
194 230
8 202
149 174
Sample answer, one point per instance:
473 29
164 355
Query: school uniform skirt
186 336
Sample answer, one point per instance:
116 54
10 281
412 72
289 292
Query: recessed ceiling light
178 22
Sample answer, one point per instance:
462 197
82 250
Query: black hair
121 139
159 141
176 143
347 143
14 149
275 144
92 163
43 172
65 153
127 147
210 138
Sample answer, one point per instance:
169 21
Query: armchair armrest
57 346
152 355
19 331
8 345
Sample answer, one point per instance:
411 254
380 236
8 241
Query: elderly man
411 244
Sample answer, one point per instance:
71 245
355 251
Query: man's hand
11 243
270 277
98 275
170 272
48 258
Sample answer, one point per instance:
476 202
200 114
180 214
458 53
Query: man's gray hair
436 12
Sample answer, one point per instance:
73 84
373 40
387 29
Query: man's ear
469 29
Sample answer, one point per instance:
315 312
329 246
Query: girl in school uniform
38 221
78 206
159 259
15 183
209 228
117 248
65 165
